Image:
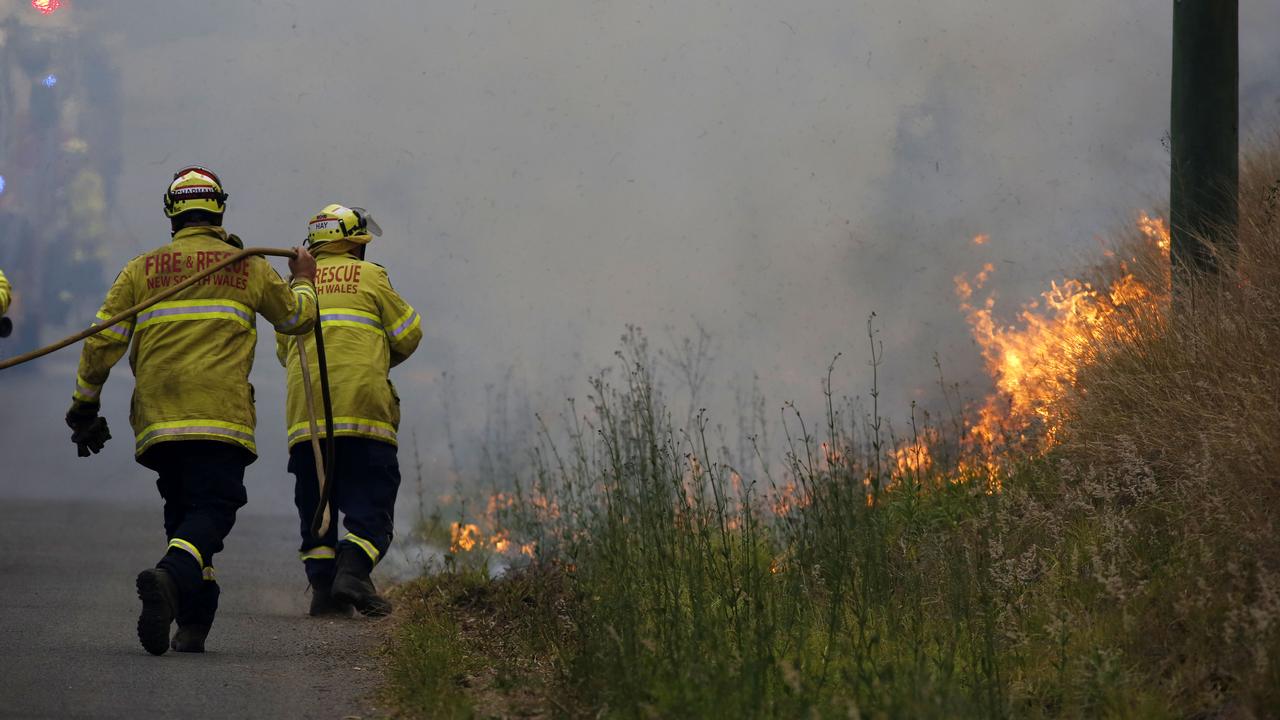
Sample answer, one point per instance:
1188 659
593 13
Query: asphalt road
68 610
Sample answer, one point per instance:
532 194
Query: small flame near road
465 537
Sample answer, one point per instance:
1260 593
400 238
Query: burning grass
1097 537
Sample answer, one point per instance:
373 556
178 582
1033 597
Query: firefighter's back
193 352
368 328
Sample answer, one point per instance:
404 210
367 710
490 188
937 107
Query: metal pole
1204 134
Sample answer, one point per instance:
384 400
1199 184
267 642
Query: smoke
549 172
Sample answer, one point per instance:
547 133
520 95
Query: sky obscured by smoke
549 172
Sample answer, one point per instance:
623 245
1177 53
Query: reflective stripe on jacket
368 329
4 294
191 354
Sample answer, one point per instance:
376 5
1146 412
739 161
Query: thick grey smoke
548 172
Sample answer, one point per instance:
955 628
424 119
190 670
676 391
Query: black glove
6 327
88 431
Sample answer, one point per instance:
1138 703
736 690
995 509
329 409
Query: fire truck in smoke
59 159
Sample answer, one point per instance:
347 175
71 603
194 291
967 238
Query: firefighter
368 329
192 410
5 324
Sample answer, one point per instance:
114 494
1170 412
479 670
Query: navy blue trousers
202 483
364 489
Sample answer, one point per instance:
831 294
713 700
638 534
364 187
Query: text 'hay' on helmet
194 188
339 222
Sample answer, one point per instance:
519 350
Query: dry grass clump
1172 445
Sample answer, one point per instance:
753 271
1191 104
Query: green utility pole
1204 133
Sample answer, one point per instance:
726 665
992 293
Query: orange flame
1035 363
491 534
463 537
914 459
788 499
1156 230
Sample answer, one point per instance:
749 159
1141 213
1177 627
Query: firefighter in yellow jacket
368 329
192 410
5 324
4 294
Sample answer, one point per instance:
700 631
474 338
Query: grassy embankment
1127 566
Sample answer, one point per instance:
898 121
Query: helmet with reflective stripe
194 188
339 222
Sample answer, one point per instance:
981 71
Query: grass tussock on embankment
1127 569
1182 423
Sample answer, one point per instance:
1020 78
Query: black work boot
190 638
323 603
353 586
197 615
159 595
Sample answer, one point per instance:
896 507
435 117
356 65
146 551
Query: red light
46 7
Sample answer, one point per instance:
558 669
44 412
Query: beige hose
127 314
315 432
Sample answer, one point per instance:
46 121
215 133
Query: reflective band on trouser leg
323 552
239 434
345 426
180 310
404 325
350 317
365 545
188 547
86 391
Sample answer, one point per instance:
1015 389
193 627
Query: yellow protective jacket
192 353
368 329
4 294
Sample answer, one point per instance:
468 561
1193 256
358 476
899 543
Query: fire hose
325 463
